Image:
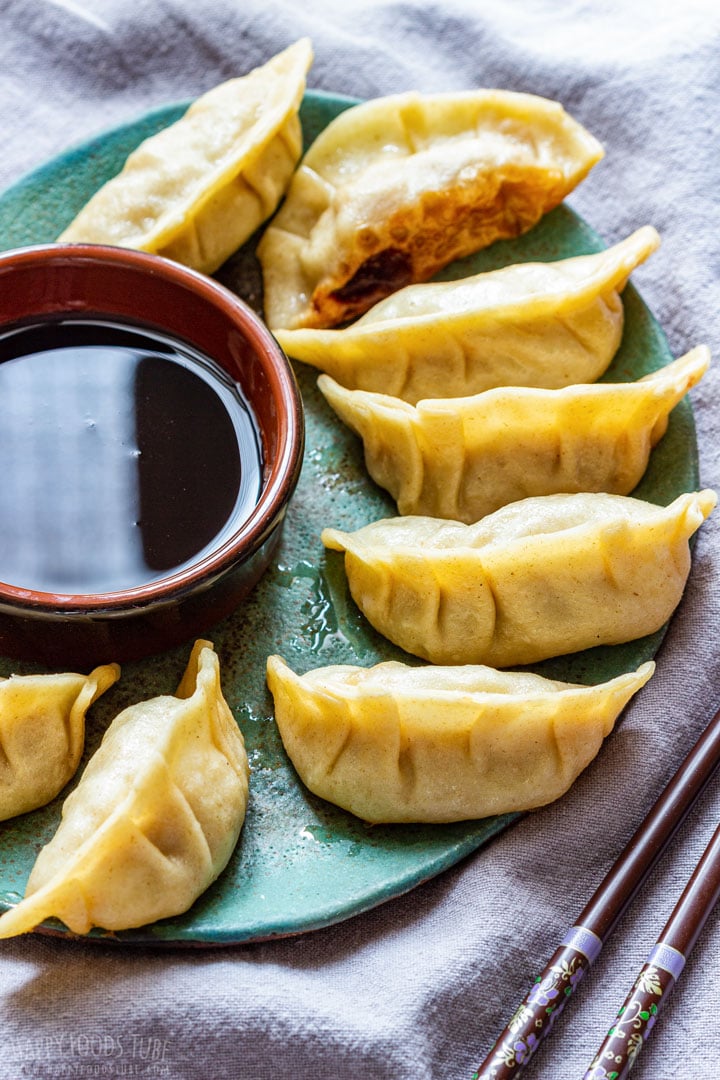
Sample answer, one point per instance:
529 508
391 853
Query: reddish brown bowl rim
282 473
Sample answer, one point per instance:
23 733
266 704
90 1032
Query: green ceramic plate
302 863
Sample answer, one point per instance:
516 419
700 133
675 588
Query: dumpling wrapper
463 458
42 733
435 744
396 188
529 324
199 188
155 816
538 578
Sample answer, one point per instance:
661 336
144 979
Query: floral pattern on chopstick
536 1015
635 1020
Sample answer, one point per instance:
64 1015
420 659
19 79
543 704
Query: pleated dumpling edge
196 190
154 818
395 743
42 733
463 458
543 324
538 578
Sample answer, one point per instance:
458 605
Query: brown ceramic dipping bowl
74 631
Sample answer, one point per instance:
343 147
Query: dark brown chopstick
661 970
581 946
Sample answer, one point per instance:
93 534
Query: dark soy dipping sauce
124 456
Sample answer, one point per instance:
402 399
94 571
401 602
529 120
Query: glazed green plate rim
302 864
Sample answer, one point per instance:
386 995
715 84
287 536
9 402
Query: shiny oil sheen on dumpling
395 743
42 733
529 324
199 188
538 578
154 818
394 189
462 458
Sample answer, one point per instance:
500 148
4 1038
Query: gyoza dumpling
154 818
462 458
395 743
42 733
198 189
538 578
396 188
530 324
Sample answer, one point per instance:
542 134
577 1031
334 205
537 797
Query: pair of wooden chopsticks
582 944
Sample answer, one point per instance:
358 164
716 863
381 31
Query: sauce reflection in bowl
150 440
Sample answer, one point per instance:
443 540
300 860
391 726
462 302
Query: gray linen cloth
420 986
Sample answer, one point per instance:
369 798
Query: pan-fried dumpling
42 733
538 578
199 188
154 818
530 324
395 743
396 188
462 458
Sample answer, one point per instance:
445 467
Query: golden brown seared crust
394 189
418 240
